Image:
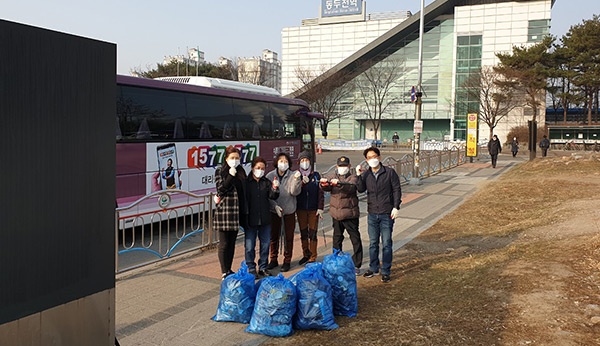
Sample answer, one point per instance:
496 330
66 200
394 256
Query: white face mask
305 165
283 166
373 163
258 172
343 170
233 163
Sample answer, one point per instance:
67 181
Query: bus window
205 131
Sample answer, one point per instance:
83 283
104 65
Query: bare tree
375 86
326 97
484 93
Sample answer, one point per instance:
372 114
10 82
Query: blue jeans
380 226
264 238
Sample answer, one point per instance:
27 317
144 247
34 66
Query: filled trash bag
338 270
274 308
238 293
315 305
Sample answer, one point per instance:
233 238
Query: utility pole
416 180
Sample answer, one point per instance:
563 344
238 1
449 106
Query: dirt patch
516 264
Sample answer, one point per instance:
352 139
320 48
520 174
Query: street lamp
418 128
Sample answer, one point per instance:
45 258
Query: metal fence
145 235
183 224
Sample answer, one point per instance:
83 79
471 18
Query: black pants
226 249
544 152
494 159
351 226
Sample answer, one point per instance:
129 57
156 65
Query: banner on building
333 8
472 134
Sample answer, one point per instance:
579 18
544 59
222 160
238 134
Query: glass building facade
460 38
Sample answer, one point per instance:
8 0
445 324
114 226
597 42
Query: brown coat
343 204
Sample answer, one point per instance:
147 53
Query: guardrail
431 163
183 221
144 235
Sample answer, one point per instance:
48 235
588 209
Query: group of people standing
262 204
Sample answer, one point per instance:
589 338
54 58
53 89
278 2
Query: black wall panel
57 157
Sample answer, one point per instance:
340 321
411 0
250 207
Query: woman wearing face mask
309 208
283 210
259 190
231 207
343 208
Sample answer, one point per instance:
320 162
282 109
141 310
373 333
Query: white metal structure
222 84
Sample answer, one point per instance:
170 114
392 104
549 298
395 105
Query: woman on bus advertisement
259 191
283 210
309 207
231 207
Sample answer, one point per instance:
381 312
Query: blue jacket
311 196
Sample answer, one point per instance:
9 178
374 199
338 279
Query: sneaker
273 264
369 273
285 267
385 278
264 273
357 271
303 260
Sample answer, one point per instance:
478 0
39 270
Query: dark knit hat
305 155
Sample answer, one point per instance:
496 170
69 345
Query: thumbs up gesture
275 183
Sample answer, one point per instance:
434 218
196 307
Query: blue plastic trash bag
274 308
315 305
238 293
338 270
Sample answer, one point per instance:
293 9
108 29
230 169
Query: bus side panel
270 148
131 170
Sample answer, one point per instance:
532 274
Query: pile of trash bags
276 306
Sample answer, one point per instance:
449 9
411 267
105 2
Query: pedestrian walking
494 148
309 207
544 145
514 146
231 208
259 191
283 210
384 196
343 208
395 140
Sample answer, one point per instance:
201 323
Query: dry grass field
517 264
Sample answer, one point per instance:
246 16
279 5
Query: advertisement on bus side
191 165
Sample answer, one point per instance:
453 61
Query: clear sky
147 30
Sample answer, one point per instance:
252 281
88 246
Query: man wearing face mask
283 210
383 203
343 208
309 208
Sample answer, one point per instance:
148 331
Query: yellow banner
472 134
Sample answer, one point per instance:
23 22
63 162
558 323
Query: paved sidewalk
172 304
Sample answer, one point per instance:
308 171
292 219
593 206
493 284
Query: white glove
320 213
232 171
305 179
358 170
323 181
279 211
297 175
216 199
395 213
275 183
334 181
